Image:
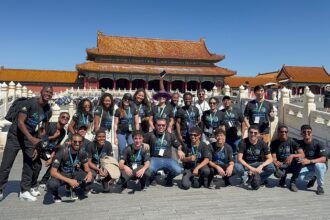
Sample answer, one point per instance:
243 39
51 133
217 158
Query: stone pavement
173 203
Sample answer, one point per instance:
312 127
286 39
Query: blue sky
255 35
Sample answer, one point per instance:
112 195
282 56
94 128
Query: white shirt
204 106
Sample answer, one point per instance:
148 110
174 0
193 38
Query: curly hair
105 95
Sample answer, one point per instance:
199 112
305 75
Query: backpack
14 109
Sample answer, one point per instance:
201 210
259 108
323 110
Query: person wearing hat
327 98
286 153
233 120
162 110
97 150
251 154
126 121
135 161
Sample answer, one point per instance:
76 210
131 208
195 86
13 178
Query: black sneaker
281 183
57 199
320 190
264 183
1 195
311 183
293 187
106 186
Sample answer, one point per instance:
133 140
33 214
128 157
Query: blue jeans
267 171
166 164
123 141
309 171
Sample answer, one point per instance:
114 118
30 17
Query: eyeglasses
212 103
194 135
126 100
284 132
251 132
64 117
77 142
161 125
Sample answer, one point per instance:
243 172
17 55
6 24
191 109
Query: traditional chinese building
130 63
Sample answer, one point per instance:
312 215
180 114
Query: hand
181 154
195 172
259 169
221 172
253 170
103 172
73 183
89 177
128 171
48 162
140 173
229 170
116 141
278 163
193 158
305 162
146 147
34 154
289 160
35 141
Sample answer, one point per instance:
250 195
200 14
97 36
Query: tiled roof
306 74
236 81
154 69
29 75
268 75
152 48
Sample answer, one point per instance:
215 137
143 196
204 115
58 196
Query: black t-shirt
222 156
258 114
189 118
164 113
161 144
132 155
253 153
126 123
96 152
36 116
313 150
142 110
82 119
105 117
65 161
201 152
212 120
233 119
283 149
50 131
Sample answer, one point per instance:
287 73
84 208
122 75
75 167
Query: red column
185 86
169 85
146 85
98 84
85 82
130 84
114 84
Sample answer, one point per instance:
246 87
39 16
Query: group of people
199 140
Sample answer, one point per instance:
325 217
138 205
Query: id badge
161 152
257 119
130 127
134 166
230 124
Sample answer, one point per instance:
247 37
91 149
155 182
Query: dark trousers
294 168
215 172
53 184
188 177
143 180
46 176
31 169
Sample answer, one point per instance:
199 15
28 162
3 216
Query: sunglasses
77 142
127 100
64 117
194 135
251 132
212 103
284 132
161 125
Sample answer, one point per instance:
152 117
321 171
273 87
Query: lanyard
138 155
258 109
97 153
161 113
193 150
71 160
129 115
174 111
188 113
211 117
85 120
161 143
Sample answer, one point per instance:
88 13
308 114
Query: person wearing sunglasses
254 156
315 160
70 167
195 163
286 153
126 121
97 150
161 143
211 120
56 133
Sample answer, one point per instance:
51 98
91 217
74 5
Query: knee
52 184
321 167
270 168
205 171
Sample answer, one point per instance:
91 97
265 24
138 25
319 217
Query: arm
136 122
97 120
151 123
170 125
178 129
202 164
300 154
125 168
140 173
115 129
89 175
276 162
71 127
72 182
245 164
21 125
268 161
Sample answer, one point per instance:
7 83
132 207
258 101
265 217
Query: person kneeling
196 170
222 162
70 166
135 161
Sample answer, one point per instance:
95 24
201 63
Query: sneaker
1 195
320 190
293 187
264 183
73 195
281 183
169 182
311 183
57 199
43 186
27 196
35 192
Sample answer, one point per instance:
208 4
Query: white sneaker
27 196
35 192
1 195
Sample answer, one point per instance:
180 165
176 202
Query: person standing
33 116
327 98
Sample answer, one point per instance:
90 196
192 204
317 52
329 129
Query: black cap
226 97
127 96
82 127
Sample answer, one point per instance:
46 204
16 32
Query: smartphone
162 74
